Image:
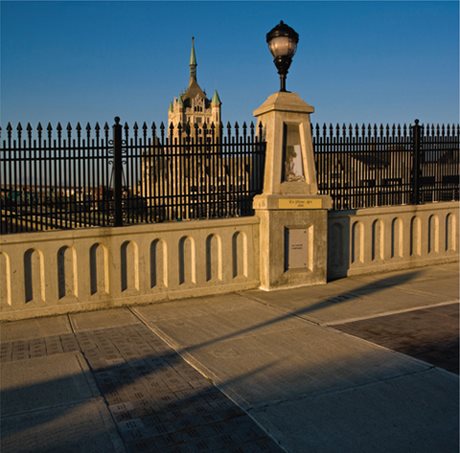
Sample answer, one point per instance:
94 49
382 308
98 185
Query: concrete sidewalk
275 371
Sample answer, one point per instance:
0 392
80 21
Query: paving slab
37 347
413 413
45 382
195 307
104 319
34 328
424 273
246 317
366 296
360 285
444 288
84 427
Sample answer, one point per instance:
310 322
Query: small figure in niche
293 168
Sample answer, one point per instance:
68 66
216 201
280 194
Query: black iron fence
371 166
68 177
111 176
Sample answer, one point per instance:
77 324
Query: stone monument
293 217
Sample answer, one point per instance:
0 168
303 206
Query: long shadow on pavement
158 401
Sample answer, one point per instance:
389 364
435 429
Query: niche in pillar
293 161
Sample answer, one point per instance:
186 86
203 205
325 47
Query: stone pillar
293 217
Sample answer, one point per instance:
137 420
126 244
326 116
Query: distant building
192 106
166 176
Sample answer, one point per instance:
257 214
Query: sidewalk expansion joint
387 313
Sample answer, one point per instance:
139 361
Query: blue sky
356 61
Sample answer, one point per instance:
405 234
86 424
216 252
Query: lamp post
293 228
282 41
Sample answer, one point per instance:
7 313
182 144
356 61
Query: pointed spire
192 53
180 101
216 99
193 63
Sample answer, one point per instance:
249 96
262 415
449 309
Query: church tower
192 106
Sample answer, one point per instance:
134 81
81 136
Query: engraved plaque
297 253
300 203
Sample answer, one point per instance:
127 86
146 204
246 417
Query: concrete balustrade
390 238
64 271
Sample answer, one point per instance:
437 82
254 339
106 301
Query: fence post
416 149
117 173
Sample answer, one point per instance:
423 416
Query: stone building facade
192 106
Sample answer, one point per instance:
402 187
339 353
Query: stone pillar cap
283 101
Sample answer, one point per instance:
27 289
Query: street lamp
282 42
